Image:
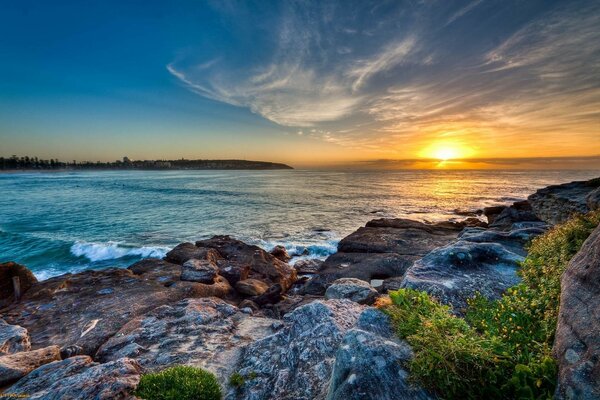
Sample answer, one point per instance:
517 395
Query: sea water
60 222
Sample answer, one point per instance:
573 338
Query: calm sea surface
69 221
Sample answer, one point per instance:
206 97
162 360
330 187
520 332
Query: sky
309 83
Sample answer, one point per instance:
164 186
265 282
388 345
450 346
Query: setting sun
445 151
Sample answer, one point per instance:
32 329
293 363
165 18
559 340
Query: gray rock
80 378
307 267
518 212
484 261
207 333
374 321
384 248
203 271
297 361
15 366
592 200
368 366
555 204
577 343
13 338
352 289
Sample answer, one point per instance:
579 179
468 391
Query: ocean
60 222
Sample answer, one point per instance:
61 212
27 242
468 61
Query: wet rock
555 204
352 289
207 333
202 271
384 248
483 261
232 271
13 338
308 267
80 378
369 366
577 343
8 270
492 212
251 287
280 253
518 212
67 310
297 361
186 251
15 366
263 266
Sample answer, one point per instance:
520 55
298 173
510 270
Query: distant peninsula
27 163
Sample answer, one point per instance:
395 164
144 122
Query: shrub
236 380
179 383
503 348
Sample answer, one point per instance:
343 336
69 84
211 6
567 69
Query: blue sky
307 82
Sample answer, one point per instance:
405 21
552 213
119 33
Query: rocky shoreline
307 331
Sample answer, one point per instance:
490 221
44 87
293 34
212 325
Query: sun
446 151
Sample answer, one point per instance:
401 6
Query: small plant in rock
236 380
179 383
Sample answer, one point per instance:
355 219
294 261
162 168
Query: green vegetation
237 380
179 383
502 349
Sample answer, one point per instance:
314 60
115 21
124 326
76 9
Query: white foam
114 250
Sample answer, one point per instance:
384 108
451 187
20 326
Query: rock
8 270
207 333
384 248
251 287
247 303
271 296
186 251
157 270
518 212
67 310
70 351
80 378
13 338
308 267
297 361
280 253
483 261
492 212
369 366
15 366
352 289
232 271
592 200
202 271
555 204
263 266
577 342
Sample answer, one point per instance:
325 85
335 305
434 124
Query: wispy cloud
386 77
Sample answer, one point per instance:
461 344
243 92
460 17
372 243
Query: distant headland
27 163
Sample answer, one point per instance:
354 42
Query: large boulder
80 378
263 265
187 251
483 261
280 253
555 204
8 270
251 287
577 343
352 289
13 338
384 248
203 271
518 212
87 308
297 361
15 366
207 333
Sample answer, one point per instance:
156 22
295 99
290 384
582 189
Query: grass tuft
179 383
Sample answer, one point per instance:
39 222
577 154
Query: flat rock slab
555 204
207 333
80 378
483 261
385 248
13 338
87 308
15 366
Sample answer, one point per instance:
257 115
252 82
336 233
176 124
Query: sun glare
445 151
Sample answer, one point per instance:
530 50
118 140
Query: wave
113 250
301 250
